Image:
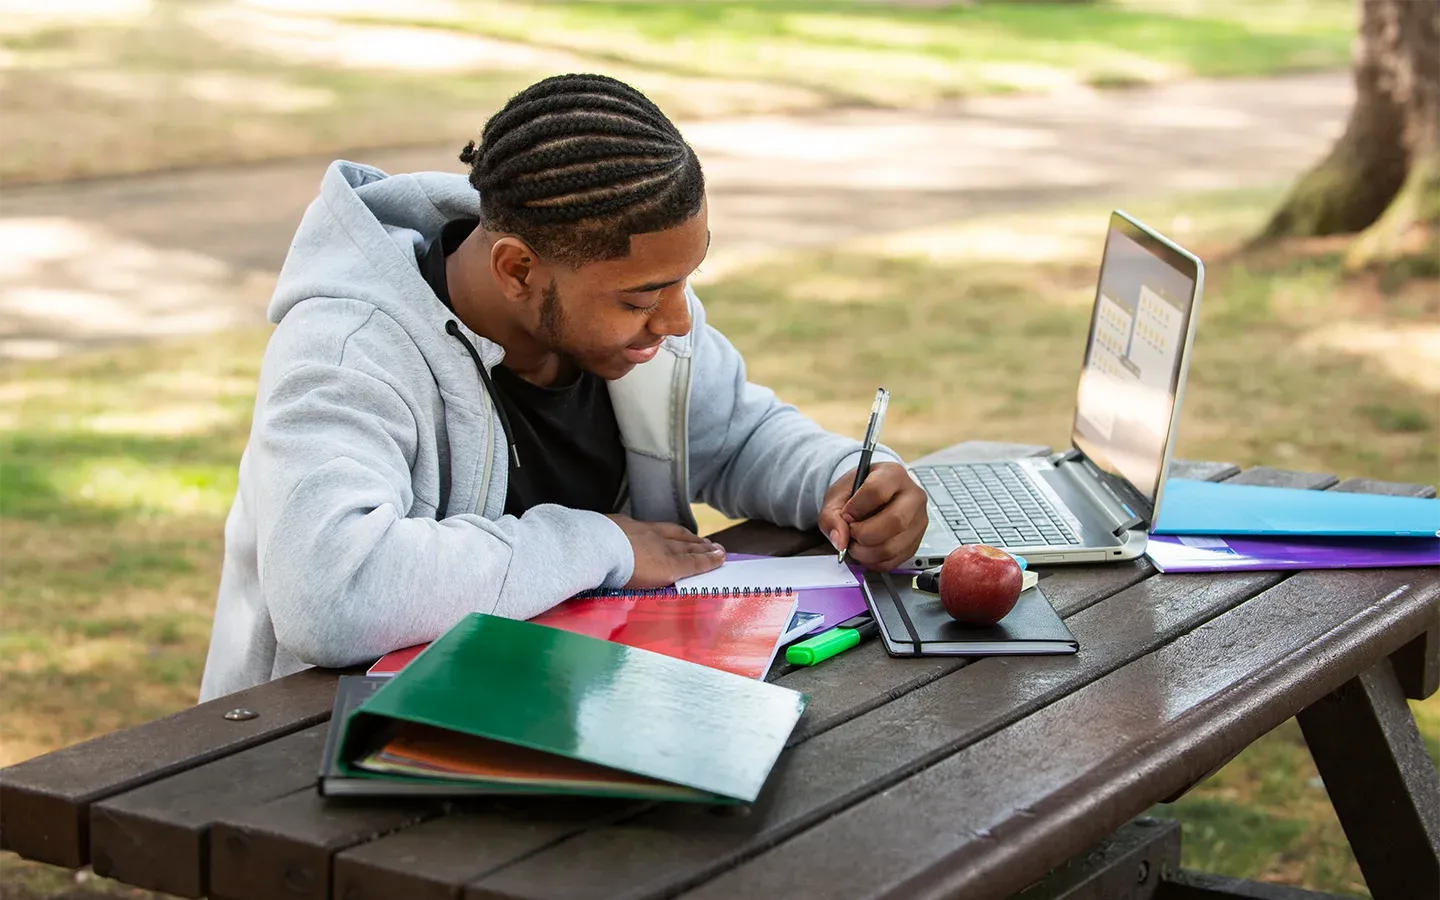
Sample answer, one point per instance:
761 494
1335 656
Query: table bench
936 777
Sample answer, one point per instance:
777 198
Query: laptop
1094 502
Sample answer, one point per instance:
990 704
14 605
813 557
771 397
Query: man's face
610 316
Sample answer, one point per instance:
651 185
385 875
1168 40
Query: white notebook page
798 572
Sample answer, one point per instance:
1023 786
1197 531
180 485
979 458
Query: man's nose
673 316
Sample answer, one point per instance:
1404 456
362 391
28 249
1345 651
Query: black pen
867 449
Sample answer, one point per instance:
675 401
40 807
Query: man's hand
883 523
665 552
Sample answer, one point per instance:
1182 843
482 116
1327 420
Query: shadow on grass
44 475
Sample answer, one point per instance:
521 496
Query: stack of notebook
637 693
1208 526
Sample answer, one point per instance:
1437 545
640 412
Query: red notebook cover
736 631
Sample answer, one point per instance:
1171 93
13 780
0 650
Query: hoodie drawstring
453 330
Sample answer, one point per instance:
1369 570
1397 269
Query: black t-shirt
566 437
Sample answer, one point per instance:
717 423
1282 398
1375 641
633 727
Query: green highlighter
828 643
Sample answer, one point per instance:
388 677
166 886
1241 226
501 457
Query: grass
118 471
119 466
168 83
902 54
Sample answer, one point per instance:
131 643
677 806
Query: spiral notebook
738 630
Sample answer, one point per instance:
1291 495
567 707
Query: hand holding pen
876 516
867 447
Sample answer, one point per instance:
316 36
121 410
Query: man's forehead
657 259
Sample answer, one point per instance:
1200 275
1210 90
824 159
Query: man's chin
610 369
615 366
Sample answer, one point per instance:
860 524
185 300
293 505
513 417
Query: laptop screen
1130 377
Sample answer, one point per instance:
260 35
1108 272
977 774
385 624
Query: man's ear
514 266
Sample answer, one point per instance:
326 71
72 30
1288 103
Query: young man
489 394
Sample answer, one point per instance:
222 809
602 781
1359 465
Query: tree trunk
1410 225
1384 171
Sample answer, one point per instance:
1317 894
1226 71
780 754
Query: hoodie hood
359 240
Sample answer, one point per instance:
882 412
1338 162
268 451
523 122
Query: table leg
1417 664
1381 782
1127 865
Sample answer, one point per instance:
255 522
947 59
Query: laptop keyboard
995 504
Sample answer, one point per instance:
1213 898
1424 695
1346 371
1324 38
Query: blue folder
1218 507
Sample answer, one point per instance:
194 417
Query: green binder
497 705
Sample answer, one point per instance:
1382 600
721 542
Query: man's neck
485 310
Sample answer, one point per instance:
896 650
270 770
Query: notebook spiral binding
685 592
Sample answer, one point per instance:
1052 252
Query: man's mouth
639 355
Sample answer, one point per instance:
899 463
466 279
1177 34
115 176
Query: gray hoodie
369 514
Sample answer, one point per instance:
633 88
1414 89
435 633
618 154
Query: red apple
979 584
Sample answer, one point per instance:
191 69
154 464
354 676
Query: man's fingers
890 555
905 506
686 560
879 527
676 532
901 514
836 529
874 493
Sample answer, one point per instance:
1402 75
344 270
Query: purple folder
836 604
1194 553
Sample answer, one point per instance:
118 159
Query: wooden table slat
1266 475
1197 470
979 451
1394 488
45 802
467 845
253 853
762 537
157 836
964 827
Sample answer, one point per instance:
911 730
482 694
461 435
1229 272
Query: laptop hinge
1108 485
1133 522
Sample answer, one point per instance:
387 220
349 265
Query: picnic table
936 777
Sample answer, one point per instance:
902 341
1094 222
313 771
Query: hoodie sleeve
347 575
751 454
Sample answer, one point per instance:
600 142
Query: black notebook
914 623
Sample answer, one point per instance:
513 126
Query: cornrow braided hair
576 164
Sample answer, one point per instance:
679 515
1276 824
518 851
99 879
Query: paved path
99 262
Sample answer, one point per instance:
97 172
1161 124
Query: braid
576 164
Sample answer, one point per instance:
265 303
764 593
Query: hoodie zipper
681 471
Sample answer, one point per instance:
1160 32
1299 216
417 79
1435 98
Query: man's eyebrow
661 285
652 286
